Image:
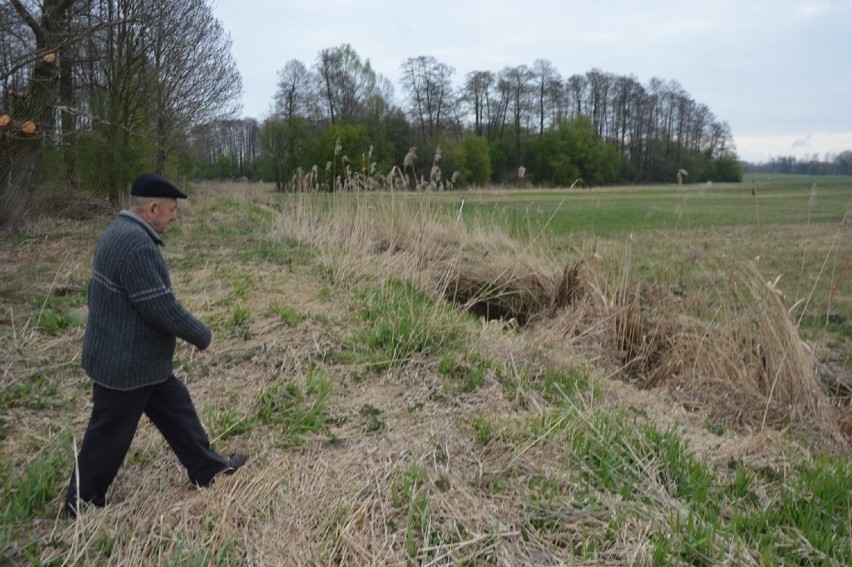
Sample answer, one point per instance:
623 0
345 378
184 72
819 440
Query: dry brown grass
330 500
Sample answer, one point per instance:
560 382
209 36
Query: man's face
163 213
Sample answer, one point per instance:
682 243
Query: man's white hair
138 204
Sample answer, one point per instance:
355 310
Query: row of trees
529 121
93 91
838 164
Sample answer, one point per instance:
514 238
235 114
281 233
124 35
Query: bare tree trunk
32 114
69 122
18 162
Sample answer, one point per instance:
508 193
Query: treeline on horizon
831 164
337 125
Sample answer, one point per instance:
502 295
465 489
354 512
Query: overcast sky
778 71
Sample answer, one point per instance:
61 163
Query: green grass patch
800 518
188 554
401 321
26 494
516 384
228 422
59 313
812 507
287 253
289 315
484 429
837 326
241 281
620 454
373 420
232 229
35 393
561 385
409 494
240 322
465 375
607 212
424 531
54 323
295 411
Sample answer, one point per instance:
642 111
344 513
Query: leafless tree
520 88
548 91
379 105
430 93
236 138
296 93
599 84
196 78
501 97
575 96
476 94
624 104
345 82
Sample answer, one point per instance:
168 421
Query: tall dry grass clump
744 365
475 264
772 359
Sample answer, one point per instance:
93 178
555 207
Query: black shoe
235 461
232 463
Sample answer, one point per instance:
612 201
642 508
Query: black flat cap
153 185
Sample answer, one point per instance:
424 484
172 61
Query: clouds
802 143
775 70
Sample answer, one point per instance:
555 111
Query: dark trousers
111 428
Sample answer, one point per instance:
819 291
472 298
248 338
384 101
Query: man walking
134 321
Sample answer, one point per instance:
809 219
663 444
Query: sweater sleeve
148 287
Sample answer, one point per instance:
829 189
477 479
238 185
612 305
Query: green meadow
618 211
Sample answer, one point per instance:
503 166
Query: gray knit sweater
134 318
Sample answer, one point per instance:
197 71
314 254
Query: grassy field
612 212
616 424
799 228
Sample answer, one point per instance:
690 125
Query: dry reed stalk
833 248
837 283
